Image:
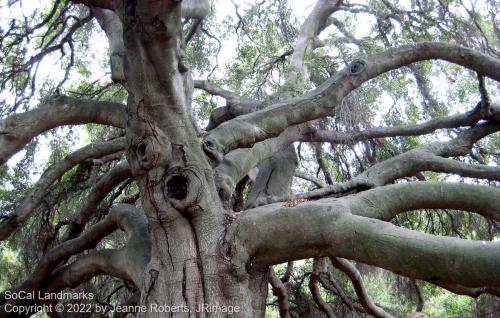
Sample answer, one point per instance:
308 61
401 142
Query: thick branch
17 130
425 158
429 157
275 234
246 130
387 202
127 263
236 164
195 9
454 121
113 27
51 175
312 26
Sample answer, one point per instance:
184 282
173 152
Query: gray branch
17 130
275 233
51 175
245 130
355 277
279 290
236 164
117 263
97 193
236 104
195 9
318 268
426 158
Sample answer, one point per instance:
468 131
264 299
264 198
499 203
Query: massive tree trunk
188 268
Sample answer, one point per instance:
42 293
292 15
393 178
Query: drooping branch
33 199
238 163
127 263
276 173
99 191
17 130
420 296
317 181
57 32
355 277
274 234
453 121
279 290
318 268
246 130
426 158
431 157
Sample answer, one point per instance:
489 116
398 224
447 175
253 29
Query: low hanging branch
99 191
327 227
17 130
279 290
126 263
355 277
330 283
318 268
51 175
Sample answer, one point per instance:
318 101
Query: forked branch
246 130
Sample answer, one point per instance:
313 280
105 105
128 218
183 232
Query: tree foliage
313 123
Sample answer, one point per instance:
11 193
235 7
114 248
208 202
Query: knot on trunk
183 189
147 153
213 151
